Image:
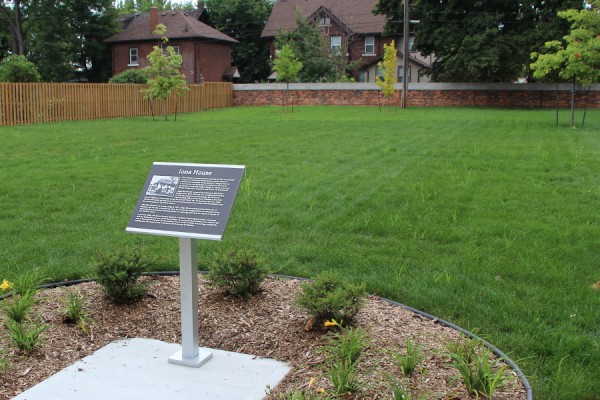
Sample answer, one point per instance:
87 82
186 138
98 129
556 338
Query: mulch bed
267 325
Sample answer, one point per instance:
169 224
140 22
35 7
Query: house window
369 44
379 73
401 74
325 21
336 44
176 48
411 42
133 56
363 76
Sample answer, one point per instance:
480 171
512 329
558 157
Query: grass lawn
487 218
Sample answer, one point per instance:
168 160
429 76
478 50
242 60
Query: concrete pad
139 369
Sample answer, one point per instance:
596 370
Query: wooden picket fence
31 103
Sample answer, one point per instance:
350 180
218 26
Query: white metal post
190 354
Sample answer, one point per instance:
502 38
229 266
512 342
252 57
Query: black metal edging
435 319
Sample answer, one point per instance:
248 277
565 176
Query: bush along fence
30 103
509 95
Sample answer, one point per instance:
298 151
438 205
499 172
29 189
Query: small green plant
26 336
3 361
343 351
17 307
27 282
344 376
238 273
347 344
329 298
479 371
408 362
310 393
119 274
74 311
405 393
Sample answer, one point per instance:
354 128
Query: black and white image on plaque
165 186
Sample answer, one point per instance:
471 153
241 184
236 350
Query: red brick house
349 26
206 52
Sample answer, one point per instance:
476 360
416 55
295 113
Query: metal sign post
189 201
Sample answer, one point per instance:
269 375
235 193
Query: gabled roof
356 15
180 25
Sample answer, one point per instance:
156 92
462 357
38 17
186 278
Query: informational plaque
186 200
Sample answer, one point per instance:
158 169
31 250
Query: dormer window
369 45
325 21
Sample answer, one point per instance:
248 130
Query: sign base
195 362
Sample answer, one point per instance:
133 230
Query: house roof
180 25
356 15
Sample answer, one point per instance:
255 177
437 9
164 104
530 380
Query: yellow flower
5 285
312 380
331 323
321 390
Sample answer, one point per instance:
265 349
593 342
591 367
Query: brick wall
419 94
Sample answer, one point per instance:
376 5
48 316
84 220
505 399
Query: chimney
153 18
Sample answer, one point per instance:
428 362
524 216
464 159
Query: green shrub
238 273
119 273
131 76
329 298
18 69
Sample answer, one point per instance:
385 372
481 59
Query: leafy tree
140 6
165 78
62 37
18 69
244 20
388 67
577 59
479 41
12 16
319 62
288 68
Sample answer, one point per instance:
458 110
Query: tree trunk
15 27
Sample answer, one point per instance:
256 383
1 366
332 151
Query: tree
13 18
320 63
244 20
165 79
388 67
478 41
141 6
288 68
18 69
577 59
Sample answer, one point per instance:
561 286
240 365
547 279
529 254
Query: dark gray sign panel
186 200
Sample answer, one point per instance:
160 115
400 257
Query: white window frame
369 47
133 57
337 49
411 43
363 76
177 51
401 76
